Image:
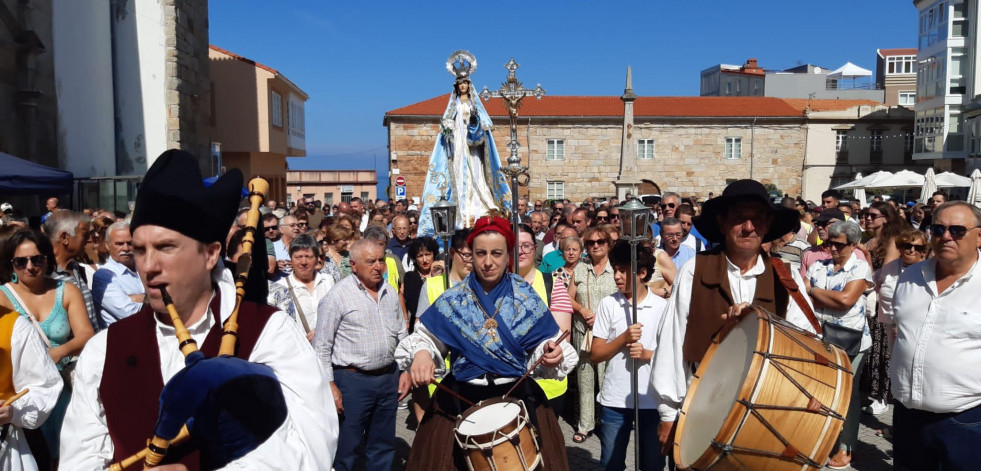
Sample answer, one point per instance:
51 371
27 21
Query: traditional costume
122 372
24 363
492 338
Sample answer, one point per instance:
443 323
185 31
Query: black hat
829 214
174 196
785 219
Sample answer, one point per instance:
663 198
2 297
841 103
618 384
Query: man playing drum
494 326
719 286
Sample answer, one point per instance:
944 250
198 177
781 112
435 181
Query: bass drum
767 396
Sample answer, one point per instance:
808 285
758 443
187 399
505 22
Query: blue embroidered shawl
523 323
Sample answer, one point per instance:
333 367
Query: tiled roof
612 106
243 59
906 51
827 105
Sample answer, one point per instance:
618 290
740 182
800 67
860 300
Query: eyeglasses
20 263
590 243
904 246
465 256
269 228
527 248
957 232
412 221
668 205
821 223
302 224
602 218
839 246
873 216
614 215
672 236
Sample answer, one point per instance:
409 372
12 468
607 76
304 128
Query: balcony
841 156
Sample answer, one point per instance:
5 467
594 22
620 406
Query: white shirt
307 440
671 374
282 251
934 365
308 300
822 275
32 368
613 316
886 279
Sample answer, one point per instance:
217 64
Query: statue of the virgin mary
464 166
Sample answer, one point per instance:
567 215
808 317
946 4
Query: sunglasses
590 243
873 216
270 228
957 232
822 223
20 263
839 246
906 246
614 215
602 218
668 205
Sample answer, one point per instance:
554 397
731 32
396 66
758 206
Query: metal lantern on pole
635 227
444 223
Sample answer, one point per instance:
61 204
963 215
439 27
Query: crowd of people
380 309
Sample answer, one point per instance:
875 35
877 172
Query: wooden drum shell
769 405
510 448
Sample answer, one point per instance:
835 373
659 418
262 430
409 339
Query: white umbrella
929 185
974 194
950 179
860 196
865 182
901 179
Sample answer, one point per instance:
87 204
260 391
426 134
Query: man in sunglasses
934 367
669 206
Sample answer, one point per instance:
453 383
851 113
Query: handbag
849 339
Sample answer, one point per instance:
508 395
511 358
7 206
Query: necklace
490 325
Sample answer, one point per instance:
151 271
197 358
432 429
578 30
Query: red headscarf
495 224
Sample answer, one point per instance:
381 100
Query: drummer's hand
735 312
665 433
338 401
422 370
405 383
633 332
6 414
553 354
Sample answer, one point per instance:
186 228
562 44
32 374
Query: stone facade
688 155
188 84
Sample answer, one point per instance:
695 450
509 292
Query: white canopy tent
952 180
861 182
900 179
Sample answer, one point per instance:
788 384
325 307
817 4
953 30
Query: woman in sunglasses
55 308
883 225
913 248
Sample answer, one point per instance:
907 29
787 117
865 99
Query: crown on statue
461 64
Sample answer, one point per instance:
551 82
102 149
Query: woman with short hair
307 286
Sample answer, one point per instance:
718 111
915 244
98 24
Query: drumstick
539 362
15 397
452 393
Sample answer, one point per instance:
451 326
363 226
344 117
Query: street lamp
444 222
634 226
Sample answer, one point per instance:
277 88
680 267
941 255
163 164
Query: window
875 140
555 149
728 88
555 191
907 98
734 147
900 65
364 196
645 149
841 140
328 199
296 118
276 108
908 141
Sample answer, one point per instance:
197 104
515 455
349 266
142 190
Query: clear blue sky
359 59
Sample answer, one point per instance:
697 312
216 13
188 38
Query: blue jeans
614 436
370 405
927 441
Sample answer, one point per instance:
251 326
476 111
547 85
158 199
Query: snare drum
767 396
496 435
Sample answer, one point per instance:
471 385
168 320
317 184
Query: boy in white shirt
617 341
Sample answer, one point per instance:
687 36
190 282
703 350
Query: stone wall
188 83
688 156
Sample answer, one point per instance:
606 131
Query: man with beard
116 287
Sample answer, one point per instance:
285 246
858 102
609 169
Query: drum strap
783 273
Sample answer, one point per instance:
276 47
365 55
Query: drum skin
503 448
761 420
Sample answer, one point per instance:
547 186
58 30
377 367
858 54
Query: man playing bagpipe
268 406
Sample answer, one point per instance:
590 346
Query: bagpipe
228 405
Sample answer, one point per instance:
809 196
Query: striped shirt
354 330
75 275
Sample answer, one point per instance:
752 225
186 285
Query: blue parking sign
400 192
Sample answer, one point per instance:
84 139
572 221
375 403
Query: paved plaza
873 453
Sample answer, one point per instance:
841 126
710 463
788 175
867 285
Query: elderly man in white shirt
116 287
727 283
936 380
